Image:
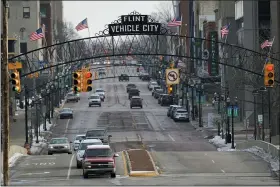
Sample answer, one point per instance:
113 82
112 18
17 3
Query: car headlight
66 146
111 163
50 147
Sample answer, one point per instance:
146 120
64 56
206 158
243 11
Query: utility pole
5 95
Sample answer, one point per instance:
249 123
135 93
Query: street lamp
199 88
218 97
262 90
255 94
228 136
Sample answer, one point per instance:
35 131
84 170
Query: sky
100 13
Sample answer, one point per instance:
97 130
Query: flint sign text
134 24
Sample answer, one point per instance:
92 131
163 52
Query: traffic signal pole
269 115
5 94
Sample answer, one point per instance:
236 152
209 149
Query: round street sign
172 76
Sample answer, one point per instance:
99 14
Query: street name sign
172 76
134 24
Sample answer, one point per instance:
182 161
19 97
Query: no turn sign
172 76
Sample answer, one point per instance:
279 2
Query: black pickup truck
123 77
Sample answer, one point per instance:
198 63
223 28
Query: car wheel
77 100
69 153
188 120
49 153
175 120
113 175
71 117
79 165
100 105
85 175
141 106
131 107
89 105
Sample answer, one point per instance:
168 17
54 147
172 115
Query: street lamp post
228 136
200 89
262 90
255 94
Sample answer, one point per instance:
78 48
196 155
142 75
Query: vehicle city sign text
134 24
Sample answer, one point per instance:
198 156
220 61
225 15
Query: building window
238 9
23 47
43 12
26 12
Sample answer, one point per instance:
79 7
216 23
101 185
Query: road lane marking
223 171
124 164
66 129
171 137
36 173
213 161
205 154
70 165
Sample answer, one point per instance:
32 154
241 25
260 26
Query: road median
140 163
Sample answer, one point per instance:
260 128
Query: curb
141 173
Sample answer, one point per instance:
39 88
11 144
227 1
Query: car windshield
80 137
99 91
66 110
153 83
95 133
59 141
83 146
99 153
156 88
182 111
131 85
159 90
94 97
136 99
71 95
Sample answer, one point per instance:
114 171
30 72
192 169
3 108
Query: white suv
94 100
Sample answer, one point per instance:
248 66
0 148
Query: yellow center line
124 164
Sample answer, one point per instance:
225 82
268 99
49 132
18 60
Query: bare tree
65 32
164 13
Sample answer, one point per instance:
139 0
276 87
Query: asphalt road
181 153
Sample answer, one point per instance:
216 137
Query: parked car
101 93
130 86
152 85
133 92
154 89
136 101
94 100
159 98
59 145
66 113
98 134
166 100
71 97
181 115
123 77
158 92
173 111
82 147
78 140
170 109
99 159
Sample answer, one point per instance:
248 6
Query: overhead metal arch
163 44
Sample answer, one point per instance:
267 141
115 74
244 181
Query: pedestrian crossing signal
16 81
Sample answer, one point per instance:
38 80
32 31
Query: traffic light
77 82
16 81
87 86
169 89
269 75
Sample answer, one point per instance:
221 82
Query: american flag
225 30
39 33
266 43
82 25
175 22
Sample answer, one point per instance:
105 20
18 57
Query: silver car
181 115
82 147
59 145
78 140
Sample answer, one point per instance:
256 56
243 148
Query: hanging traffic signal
169 89
87 86
77 82
269 75
16 81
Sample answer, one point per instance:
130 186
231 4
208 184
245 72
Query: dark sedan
66 113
